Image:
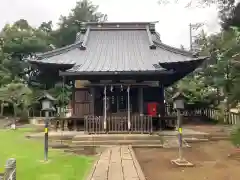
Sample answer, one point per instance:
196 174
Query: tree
233 18
17 95
19 41
69 26
46 27
62 95
20 83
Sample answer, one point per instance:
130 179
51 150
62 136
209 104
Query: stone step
116 137
195 140
82 147
50 137
111 137
118 142
217 138
128 142
60 141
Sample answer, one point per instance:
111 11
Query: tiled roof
116 47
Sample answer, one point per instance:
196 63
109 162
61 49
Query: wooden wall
88 101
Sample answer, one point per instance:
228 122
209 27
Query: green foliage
20 85
61 94
70 25
235 136
16 94
21 41
219 78
29 157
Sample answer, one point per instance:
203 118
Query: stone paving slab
117 163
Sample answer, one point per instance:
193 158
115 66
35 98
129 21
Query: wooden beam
119 84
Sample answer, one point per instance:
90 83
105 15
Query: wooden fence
209 113
118 124
138 123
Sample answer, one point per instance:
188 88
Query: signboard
81 83
152 83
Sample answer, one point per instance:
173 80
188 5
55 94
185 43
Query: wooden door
82 104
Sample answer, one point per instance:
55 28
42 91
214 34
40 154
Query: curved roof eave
42 58
58 51
190 56
173 49
65 65
50 63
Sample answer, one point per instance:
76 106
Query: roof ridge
121 22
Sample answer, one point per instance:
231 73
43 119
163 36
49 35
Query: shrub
235 136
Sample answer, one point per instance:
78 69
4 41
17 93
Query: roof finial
85 39
152 45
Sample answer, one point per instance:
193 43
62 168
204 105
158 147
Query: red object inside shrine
152 108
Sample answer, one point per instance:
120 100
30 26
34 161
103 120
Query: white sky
173 18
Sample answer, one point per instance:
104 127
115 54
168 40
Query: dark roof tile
123 47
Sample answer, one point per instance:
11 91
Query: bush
235 136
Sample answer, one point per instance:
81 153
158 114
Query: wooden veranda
142 124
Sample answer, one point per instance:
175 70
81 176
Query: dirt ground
211 129
210 159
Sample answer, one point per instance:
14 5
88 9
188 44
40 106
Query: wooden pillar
140 100
105 108
162 111
129 104
75 125
63 108
92 92
73 100
162 124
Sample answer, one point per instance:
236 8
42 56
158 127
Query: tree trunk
15 113
2 108
218 96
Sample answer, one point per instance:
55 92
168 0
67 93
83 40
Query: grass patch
29 155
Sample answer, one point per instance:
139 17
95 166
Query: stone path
117 163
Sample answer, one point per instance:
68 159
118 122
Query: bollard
46 137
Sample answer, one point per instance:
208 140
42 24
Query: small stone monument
13 126
10 169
